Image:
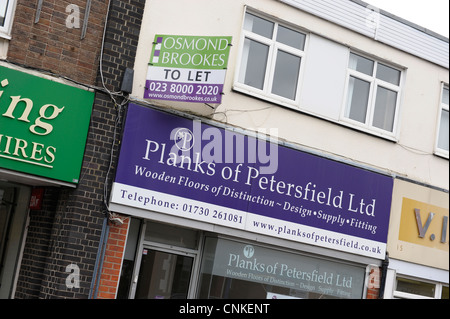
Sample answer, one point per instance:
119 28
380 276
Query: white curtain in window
357 99
3 8
384 112
443 141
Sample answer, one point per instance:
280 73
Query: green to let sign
188 68
43 125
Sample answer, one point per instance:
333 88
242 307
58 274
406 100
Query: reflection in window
237 270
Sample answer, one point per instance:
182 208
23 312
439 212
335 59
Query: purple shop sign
185 168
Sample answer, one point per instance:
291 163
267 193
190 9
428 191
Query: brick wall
51 45
372 293
36 249
74 222
121 41
112 262
67 231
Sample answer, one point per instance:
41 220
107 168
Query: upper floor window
270 59
443 131
6 15
373 92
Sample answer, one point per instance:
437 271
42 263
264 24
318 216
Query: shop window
238 270
271 58
7 8
373 92
414 289
442 147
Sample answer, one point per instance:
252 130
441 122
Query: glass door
164 275
14 202
6 212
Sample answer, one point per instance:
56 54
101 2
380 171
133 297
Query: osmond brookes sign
43 125
187 68
189 169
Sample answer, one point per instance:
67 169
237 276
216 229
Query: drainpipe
99 260
384 268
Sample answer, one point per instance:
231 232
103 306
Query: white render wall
409 155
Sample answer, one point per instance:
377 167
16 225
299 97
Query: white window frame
374 84
404 295
5 30
442 106
274 46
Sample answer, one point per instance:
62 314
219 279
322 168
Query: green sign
194 52
43 125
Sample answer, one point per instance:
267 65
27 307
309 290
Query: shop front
418 243
177 263
43 129
217 213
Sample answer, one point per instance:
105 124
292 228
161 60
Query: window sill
297 108
5 36
442 154
247 90
375 132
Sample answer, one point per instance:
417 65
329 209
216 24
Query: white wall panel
324 77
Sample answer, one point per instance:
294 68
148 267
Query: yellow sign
424 224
